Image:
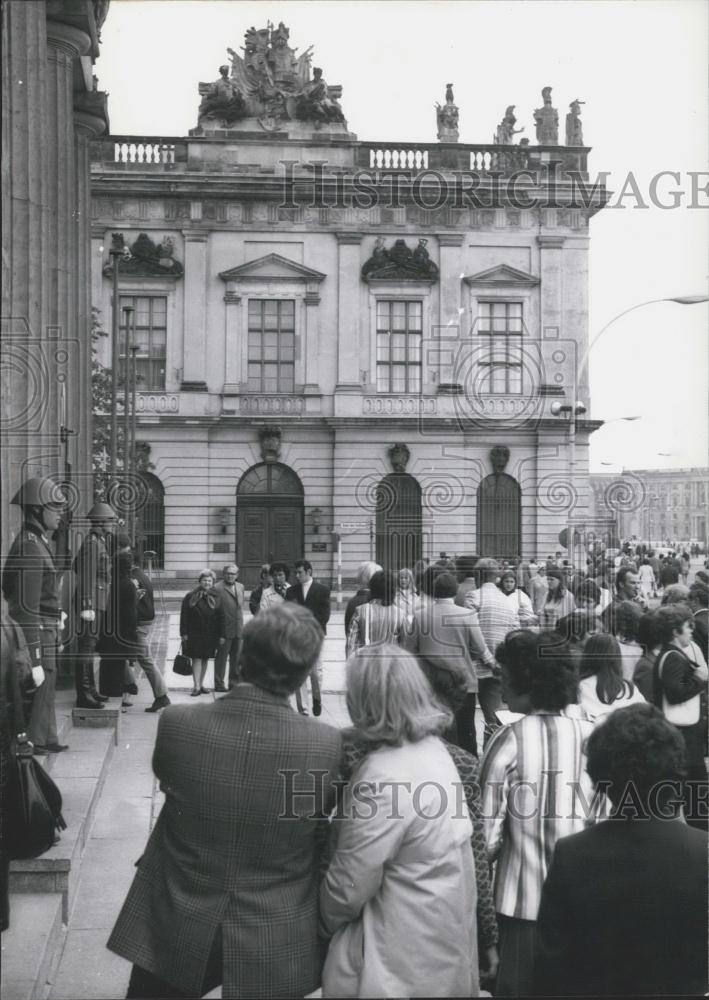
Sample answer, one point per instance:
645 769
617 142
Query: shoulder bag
35 803
182 664
685 713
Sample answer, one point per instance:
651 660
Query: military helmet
39 492
102 512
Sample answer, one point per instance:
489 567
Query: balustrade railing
166 153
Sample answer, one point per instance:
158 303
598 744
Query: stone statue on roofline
574 133
447 117
546 120
269 85
506 131
315 103
221 100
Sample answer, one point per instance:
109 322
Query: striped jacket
535 790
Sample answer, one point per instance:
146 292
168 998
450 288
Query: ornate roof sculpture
400 263
272 85
147 259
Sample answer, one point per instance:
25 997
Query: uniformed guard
30 585
92 567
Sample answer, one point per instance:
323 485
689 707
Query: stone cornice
551 242
450 239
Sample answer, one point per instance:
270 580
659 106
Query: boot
83 677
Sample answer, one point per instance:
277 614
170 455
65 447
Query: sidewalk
129 805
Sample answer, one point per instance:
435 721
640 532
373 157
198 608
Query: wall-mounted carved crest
270 441
146 259
400 263
399 456
499 457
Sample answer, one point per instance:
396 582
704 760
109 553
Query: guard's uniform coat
30 586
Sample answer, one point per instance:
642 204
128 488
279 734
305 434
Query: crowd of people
398 857
519 804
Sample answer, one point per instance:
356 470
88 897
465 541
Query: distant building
655 504
50 112
335 339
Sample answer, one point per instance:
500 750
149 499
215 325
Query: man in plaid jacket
227 890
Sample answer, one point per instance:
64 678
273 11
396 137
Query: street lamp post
128 313
573 411
134 348
117 252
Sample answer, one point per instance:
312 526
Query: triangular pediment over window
503 274
272 267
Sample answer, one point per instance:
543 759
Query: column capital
91 113
450 239
70 40
551 242
353 239
311 299
232 298
195 235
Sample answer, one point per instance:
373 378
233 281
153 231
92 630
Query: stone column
24 180
65 43
194 363
79 409
348 312
449 333
233 374
311 340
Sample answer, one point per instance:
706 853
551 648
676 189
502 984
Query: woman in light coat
399 896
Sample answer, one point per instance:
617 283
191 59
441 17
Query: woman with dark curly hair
650 645
678 683
534 788
623 910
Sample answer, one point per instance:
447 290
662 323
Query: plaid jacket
232 849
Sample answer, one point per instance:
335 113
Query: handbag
182 665
35 803
686 713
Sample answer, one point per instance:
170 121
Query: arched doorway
269 514
398 541
499 509
150 520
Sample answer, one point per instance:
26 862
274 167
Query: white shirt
306 586
596 709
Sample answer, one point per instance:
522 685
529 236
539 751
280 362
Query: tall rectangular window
399 333
271 357
149 335
501 323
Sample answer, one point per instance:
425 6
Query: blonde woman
407 599
399 896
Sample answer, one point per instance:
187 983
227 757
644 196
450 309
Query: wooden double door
269 510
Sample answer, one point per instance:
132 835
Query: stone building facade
339 347
659 505
51 110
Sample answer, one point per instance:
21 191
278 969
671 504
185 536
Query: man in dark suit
624 908
316 597
231 614
227 889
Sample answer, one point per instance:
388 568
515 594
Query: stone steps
80 773
32 945
43 890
